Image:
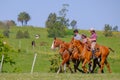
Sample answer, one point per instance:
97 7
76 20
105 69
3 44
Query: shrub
107 30
4 50
26 34
19 34
6 33
55 63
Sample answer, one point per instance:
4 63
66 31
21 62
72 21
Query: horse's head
78 44
71 47
56 43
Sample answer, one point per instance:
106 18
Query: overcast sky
87 13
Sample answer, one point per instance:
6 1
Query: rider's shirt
93 37
77 37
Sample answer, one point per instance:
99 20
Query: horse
64 54
74 57
64 46
102 52
85 54
56 43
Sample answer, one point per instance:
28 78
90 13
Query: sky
87 13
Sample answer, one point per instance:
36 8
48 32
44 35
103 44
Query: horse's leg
94 65
68 65
74 61
83 66
90 66
102 64
78 62
64 64
108 66
98 63
65 68
60 68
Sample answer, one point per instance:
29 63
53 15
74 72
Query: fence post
33 62
1 63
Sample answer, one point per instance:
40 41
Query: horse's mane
58 39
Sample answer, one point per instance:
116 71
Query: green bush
6 33
26 34
21 34
55 63
4 50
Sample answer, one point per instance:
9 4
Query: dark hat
84 35
75 31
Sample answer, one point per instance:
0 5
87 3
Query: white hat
91 29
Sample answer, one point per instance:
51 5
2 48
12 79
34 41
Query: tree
55 27
107 30
52 18
73 24
63 13
57 30
23 17
115 28
10 23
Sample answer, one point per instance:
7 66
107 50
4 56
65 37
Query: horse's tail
111 49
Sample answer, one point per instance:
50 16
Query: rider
84 38
77 36
93 40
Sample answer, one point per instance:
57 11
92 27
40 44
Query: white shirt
78 37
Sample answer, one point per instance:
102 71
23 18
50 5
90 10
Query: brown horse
77 56
56 43
64 54
102 52
85 53
74 57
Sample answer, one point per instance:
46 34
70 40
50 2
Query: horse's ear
54 38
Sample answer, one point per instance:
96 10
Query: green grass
24 58
54 76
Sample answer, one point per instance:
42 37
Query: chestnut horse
74 57
64 54
77 56
102 52
56 43
85 53
64 50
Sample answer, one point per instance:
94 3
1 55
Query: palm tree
23 17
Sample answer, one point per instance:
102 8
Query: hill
24 57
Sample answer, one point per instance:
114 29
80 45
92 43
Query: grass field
21 70
53 76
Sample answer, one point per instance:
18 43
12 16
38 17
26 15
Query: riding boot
93 54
